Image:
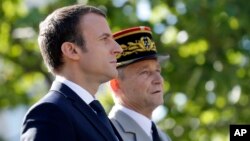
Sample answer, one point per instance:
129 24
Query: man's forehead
91 21
143 64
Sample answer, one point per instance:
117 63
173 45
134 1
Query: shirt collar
81 92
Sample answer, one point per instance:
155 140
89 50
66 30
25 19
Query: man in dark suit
77 46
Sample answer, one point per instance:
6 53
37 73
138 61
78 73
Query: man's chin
111 76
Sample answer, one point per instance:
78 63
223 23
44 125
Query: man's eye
104 38
145 72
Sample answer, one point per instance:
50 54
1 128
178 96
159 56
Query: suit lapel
91 116
83 108
129 125
116 132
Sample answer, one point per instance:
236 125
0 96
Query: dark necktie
155 134
101 114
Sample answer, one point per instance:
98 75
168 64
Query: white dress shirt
81 92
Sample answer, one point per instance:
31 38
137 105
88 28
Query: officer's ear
114 84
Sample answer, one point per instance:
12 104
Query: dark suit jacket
63 116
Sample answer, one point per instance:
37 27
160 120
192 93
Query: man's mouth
155 92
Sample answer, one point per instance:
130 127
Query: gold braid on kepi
137 44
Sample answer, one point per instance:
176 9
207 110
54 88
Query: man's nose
117 47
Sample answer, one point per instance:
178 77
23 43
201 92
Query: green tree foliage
206 79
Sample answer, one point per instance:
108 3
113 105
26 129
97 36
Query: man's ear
114 84
70 50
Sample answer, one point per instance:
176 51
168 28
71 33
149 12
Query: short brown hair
62 26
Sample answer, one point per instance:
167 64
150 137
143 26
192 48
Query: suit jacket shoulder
63 115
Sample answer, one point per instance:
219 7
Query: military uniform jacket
129 129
